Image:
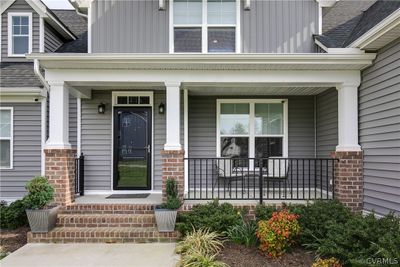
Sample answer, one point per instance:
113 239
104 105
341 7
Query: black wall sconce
101 108
161 108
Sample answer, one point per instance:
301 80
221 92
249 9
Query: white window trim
10 41
251 134
204 26
11 138
151 105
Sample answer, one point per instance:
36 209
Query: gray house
244 100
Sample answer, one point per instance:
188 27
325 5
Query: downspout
36 69
81 14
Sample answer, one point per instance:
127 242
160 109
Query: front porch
270 125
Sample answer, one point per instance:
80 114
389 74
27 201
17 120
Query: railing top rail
291 158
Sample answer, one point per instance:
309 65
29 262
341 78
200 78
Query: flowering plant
278 233
331 262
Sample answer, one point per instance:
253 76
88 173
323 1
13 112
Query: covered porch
235 127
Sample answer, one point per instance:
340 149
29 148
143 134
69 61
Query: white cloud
58 4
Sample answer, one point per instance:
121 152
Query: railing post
260 164
81 174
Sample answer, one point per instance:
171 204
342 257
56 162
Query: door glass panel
133 149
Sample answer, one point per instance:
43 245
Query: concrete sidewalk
93 255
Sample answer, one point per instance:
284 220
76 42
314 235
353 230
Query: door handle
148 148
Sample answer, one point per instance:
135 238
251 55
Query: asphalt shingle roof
14 74
78 25
346 33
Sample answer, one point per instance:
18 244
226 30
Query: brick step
106 220
102 235
108 209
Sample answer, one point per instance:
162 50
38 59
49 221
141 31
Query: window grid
19 26
9 138
205 26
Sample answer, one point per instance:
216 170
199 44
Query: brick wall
60 170
173 168
349 179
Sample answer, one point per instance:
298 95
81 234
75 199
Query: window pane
16 20
187 39
20 45
5 123
221 40
187 12
25 21
221 12
5 153
24 29
16 30
122 100
268 147
234 119
235 147
269 118
133 100
144 100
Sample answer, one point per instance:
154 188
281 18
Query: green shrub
40 193
243 234
264 212
173 202
197 259
214 216
360 238
202 241
316 219
13 215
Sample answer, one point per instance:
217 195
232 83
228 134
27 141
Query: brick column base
60 170
173 168
349 179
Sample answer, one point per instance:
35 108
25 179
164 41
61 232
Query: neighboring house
199 91
29 27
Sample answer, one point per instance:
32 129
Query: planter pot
42 221
165 219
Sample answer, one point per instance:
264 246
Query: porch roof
346 60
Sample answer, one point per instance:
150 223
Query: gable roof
345 34
78 25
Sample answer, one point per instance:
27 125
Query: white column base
356 148
57 146
172 147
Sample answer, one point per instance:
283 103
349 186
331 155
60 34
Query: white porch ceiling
245 91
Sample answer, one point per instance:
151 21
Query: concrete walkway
93 255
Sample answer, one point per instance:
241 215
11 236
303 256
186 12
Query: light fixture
246 4
161 108
101 108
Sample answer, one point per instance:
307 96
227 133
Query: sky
57 4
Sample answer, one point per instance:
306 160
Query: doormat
128 196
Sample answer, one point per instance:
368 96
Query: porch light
161 108
101 108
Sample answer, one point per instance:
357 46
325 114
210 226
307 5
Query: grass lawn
132 173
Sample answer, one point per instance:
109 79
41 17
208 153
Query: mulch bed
11 240
241 256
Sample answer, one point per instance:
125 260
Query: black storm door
132 148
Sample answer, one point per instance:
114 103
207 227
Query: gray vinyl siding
279 26
52 40
129 27
96 144
327 122
72 121
202 126
140 27
379 130
26 150
19 6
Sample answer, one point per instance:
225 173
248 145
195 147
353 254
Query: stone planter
165 219
42 221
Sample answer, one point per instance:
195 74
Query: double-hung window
205 26
251 128
19 33
6 137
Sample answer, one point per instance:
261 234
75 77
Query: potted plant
166 212
41 215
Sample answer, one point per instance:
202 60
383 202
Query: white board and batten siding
379 130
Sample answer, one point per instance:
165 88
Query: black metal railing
80 175
260 178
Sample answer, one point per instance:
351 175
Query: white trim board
10 36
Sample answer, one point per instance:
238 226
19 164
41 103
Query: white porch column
348 118
59 116
173 113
